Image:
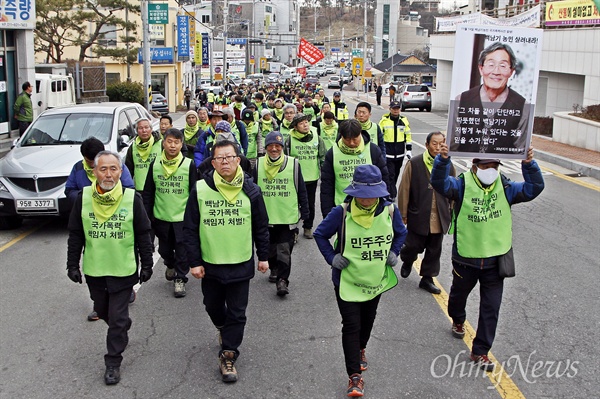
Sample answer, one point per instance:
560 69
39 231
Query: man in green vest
351 150
482 227
398 141
170 178
306 146
327 128
253 134
289 111
363 115
191 132
225 217
146 147
280 179
425 212
108 222
370 234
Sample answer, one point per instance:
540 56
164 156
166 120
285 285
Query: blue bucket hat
367 183
224 126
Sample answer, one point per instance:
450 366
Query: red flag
309 52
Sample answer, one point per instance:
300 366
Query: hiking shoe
356 385
179 288
308 234
273 276
93 316
483 362
363 361
227 367
405 269
132 296
112 375
458 330
282 287
170 274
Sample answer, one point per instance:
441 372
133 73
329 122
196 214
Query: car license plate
418 95
35 203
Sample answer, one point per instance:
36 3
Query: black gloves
74 275
145 275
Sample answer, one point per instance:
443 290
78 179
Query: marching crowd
244 172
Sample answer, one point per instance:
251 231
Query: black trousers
171 248
311 191
22 127
281 244
490 291
394 165
357 323
378 99
113 308
416 244
226 306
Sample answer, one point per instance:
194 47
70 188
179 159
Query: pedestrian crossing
438 120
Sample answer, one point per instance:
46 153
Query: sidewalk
581 160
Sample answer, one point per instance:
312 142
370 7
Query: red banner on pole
310 53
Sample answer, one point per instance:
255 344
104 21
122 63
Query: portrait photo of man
492 116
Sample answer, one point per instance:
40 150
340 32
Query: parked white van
52 91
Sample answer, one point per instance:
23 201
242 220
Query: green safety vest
171 195
266 127
343 169
210 97
109 246
307 154
224 226
252 131
373 133
235 131
309 111
329 134
484 221
285 131
280 194
141 167
367 274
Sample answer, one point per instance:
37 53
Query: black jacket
143 245
260 235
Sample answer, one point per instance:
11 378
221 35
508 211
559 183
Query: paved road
292 347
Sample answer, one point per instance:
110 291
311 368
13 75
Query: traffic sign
218 69
342 60
357 66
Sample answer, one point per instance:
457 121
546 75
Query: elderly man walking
225 217
109 224
482 238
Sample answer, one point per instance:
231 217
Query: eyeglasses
228 158
289 113
491 65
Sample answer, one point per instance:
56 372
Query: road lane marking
21 236
505 386
571 179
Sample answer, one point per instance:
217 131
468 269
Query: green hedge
132 92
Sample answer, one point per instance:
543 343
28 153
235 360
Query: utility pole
225 16
364 80
146 55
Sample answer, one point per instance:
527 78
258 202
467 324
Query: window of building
205 19
108 36
386 19
112 78
268 9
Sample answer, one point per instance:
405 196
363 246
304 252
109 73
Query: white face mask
487 176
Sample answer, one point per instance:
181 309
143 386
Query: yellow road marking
499 378
571 179
21 236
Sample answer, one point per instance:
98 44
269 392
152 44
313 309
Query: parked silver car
33 174
415 96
